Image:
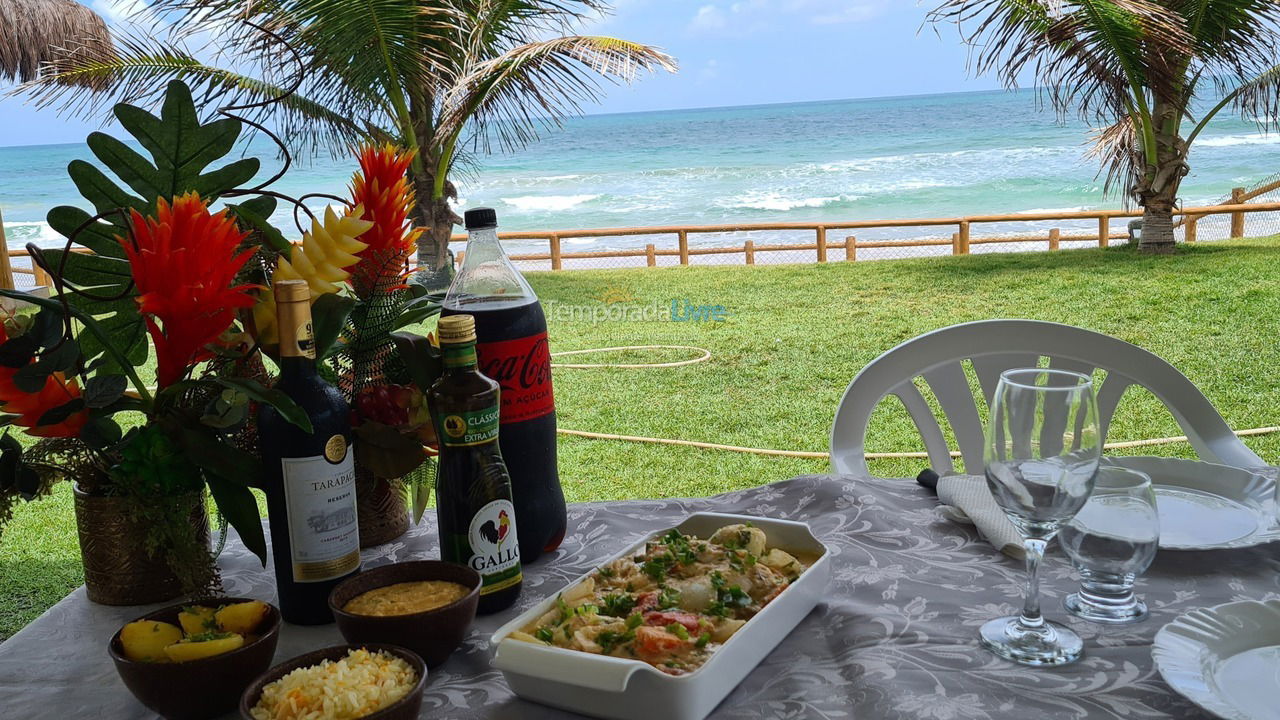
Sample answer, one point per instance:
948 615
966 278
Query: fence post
1104 231
964 237
1237 218
6 265
822 244
457 259
1190 223
851 249
684 247
749 249
1055 236
651 257
42 277
555 252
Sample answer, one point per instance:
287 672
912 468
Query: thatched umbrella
33 32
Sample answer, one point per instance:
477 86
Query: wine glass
1043 446
1111 541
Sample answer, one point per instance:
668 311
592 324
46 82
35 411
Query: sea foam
547 203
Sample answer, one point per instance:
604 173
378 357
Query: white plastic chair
994 346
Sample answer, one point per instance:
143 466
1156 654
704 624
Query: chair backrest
993 346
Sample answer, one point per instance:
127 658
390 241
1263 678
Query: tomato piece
663 619
647 601
655 642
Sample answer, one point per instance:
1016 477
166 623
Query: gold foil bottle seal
457 329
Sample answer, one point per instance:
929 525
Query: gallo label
495 552
523 368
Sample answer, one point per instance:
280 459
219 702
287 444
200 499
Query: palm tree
444 78
1136 67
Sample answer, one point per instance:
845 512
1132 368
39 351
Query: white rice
353 687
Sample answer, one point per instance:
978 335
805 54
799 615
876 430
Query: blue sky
731 52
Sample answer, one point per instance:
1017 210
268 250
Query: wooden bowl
198 689
406 708
432 634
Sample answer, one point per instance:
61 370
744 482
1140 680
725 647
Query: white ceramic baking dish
624 689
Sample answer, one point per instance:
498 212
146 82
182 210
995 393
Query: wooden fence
960 242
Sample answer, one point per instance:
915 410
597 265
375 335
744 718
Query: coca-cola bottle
512 348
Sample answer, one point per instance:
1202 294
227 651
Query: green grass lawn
795 337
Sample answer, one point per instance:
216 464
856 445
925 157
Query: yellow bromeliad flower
323 259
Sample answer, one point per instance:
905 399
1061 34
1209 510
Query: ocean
901 157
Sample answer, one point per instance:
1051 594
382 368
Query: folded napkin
967 499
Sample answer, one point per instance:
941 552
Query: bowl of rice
344 682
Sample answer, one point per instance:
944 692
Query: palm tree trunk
1157 225
435 260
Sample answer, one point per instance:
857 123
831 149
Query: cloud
745 17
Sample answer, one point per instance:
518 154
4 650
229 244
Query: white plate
1226 659
1208 507
623 689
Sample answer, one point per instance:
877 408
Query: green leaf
100 237
101 433
211 452
250 215
100 190
386 452
329 315
420 357
61 413
62 358
102 390
238 505
126 163
418 310
288 409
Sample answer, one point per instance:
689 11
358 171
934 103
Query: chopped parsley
565 612
610 640
728 597
544 634
617 604
634 621
669 598
703 639
586 609
678 630
606 572
657 567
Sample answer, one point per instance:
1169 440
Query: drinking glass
1111 542
1042 450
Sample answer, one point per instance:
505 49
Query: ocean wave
775 201
1038 211
547 203
18 234
1233 140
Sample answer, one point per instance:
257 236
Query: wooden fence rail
961 241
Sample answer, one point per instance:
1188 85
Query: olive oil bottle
473 491
311 491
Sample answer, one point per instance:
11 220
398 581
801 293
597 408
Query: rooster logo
496 533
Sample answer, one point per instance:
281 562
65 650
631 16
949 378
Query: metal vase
117 568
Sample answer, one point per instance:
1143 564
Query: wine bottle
477 519
311 491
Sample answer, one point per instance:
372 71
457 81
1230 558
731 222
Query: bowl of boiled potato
193 660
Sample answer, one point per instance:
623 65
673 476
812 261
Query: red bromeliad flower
383 190
30 407
184 262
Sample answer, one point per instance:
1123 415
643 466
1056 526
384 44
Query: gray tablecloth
897 637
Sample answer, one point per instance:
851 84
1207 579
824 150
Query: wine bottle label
471 427
492 547
320 498
523 368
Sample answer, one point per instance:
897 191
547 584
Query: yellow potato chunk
197 619
241 618
188 650
145 640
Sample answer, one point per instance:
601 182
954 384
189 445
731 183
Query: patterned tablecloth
896 639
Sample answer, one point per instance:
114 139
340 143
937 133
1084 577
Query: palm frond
1118 149
137 69
536 85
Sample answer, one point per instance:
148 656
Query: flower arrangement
165 275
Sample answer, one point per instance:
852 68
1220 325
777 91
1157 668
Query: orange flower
184 262
30 407
383 189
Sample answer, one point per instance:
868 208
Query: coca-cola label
523 368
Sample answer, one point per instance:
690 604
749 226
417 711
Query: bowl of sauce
426 606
